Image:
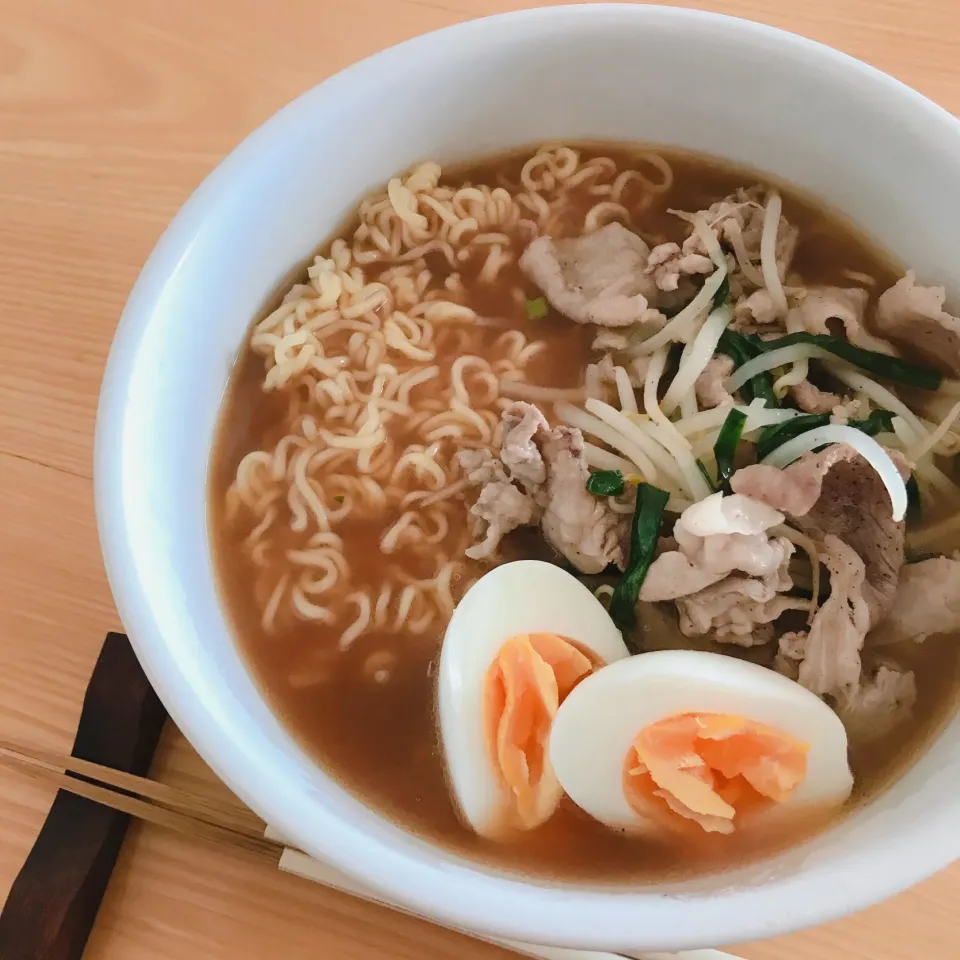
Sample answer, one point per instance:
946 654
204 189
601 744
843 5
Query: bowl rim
467 897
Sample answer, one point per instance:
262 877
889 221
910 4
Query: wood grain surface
111 113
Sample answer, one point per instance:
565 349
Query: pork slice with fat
598 278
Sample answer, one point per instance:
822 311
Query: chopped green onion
605 483
736 347
740 349
913 500
537 308
880 421
879 364
723 292
338 499
705 473
644 534
725 449
779 433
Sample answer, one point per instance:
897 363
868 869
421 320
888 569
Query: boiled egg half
682 741
519 641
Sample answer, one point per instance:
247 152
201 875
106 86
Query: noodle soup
416 411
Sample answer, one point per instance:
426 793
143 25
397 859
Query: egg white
527 596
598 722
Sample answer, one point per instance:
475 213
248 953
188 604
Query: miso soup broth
704 397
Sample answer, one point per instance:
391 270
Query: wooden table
111 112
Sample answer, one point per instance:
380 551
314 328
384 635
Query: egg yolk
524 687
710 767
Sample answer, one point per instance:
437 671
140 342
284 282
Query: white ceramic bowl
867 145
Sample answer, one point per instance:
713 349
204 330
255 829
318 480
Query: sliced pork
603 373
673 574
927 602
854 505
846 306
500 508
851 409
522 422
710 385
715 537
610 340
795 489
883 700
913 317
738 220
836 492
755 311
578 524
739 609
728 576
481 467
731 533
540 477
599 278
667 263
827 657
811 399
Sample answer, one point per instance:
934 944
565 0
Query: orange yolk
710 767
524 687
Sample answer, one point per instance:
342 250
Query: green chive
880 364
725 449
779 433
723 292
537 308
913 501
605 483
740 349
705 473
880 421
644 534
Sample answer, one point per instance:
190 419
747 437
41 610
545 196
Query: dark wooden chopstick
54 899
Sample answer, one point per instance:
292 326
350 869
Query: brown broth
380 740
